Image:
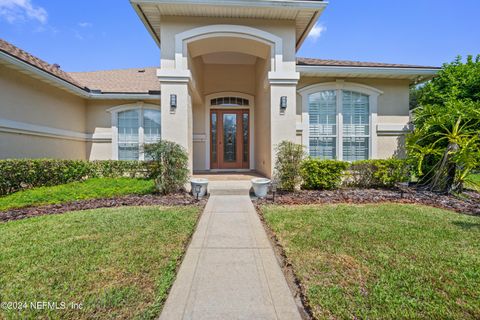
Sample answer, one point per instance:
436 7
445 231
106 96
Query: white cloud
85 24
317 31
22 10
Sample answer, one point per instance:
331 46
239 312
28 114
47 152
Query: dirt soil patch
470 204
179 199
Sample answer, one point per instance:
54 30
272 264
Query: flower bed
469 205
179 199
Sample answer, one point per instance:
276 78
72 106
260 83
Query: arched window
341 121
132 128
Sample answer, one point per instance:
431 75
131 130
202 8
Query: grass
89 189
118 263
385 261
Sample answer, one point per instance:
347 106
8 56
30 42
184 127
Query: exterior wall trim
339 85
392 129
11 126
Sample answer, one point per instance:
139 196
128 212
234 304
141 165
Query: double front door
229 139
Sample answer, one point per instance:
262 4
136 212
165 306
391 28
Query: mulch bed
179 199
469 205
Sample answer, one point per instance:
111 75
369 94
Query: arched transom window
340 122
134 127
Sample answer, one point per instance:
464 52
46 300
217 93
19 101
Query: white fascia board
288 4
124 96
57 82
309 70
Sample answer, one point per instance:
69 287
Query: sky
88 35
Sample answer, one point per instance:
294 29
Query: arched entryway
232 64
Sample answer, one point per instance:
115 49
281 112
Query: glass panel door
230 137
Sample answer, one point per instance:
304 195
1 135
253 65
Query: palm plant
445 144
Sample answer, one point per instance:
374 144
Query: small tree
169 166
445 145
289 157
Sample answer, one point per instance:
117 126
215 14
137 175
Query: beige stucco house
229 88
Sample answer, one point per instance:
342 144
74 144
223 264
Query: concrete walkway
230 270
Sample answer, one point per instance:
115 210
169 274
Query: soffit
303 13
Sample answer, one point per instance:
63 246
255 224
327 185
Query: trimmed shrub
322 174
169 166
289 157
22 174
378 173
114 169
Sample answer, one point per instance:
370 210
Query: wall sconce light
283 103
173 102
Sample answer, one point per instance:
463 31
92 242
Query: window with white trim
353 114
323 124
356 126
136 127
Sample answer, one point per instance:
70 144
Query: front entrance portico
235 77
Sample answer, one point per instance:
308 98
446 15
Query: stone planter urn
260 186
199 187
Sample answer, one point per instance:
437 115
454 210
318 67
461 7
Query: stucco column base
283 121
177 122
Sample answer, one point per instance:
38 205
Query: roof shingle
26 57
144 80
346 63
120 81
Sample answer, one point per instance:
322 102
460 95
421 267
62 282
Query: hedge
322 174
331 174
16 175
378 173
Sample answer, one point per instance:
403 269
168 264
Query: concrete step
232 188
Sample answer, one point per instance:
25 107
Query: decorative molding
11 126
183 38
283 78
174 75
199 138
392 129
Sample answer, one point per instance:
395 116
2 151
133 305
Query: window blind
323 124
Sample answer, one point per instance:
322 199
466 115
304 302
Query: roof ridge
117 69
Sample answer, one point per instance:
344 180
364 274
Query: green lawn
118 263
385 261
89 189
